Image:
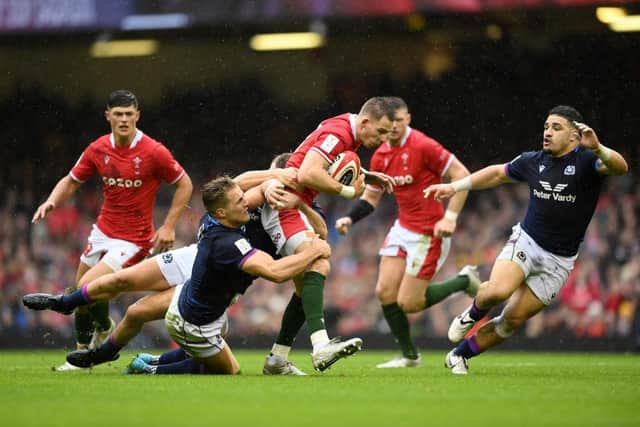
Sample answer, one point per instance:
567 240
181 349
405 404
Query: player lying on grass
162 272
565 180
226 264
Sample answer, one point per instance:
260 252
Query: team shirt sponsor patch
243 246
329 143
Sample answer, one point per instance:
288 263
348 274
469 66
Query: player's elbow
458 171
623 168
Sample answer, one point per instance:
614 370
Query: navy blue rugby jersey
217 275
563 193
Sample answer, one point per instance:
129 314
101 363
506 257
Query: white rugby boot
278 365
458 364
333 351
471 271
66 366
460 326
401 362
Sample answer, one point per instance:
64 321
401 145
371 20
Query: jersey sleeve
85 167
328 145
591 163
167 168
435 157
517 169
233 249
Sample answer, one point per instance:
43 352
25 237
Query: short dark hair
214 192
567 112
280 161
398 103
122 98
382 106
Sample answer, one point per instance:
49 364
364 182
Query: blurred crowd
466 109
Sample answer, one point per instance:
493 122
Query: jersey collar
406 136
352 121
135 141
402 141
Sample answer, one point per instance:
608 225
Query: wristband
603 153
451 215
463 184
361 209
347 191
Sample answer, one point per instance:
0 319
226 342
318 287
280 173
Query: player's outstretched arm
489 177
263 265
446 226
165 235
250 179
60 194
611 162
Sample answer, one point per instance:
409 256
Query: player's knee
321 266
491 291
502 327
121 282
506 325
385 294
137 313
409 305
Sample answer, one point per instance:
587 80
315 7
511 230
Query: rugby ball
345 168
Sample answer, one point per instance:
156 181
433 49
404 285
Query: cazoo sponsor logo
122 182
403 179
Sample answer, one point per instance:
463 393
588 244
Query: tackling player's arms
261 264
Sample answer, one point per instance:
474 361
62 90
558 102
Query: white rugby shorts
115 253
287 228
176 264
199 341
545 273
424 254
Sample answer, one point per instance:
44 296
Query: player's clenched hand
588 137
163 239
289 177
382 179
439 191
42 211
444 228
343 224
359 186
322 247
275 194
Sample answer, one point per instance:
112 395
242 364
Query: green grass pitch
502 389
